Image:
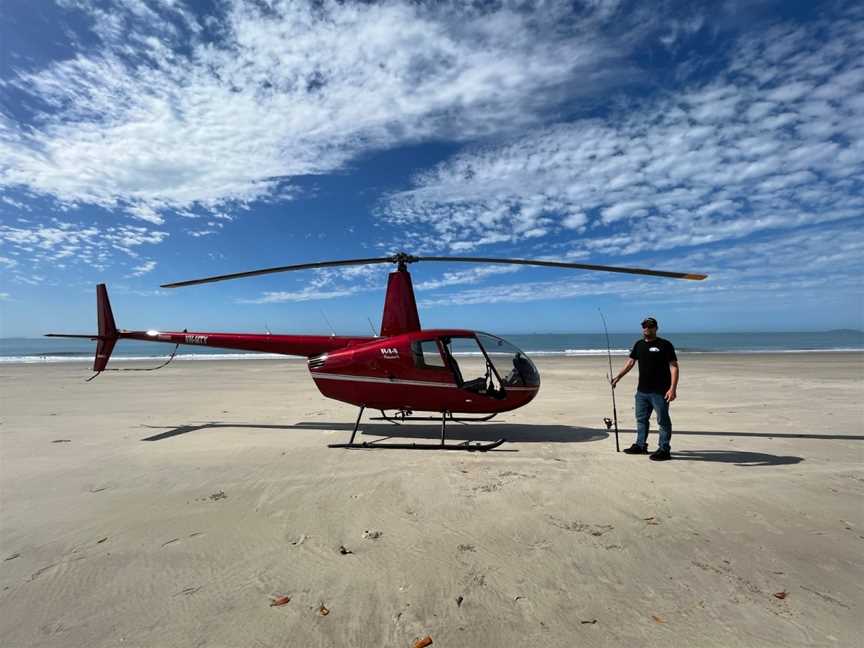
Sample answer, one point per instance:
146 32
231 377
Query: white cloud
474 275
799 266
758 148
141 270
56 243
330 283
307 294
163 116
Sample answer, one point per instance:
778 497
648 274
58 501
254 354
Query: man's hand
614 381
671 395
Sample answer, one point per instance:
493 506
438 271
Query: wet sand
169 509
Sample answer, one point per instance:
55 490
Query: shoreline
254 357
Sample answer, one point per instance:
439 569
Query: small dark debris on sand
591 622
344 551
323 611
62 441
101 540
422 643
657 619
279 601
219 495
459 600
780 595
372 535
12 557
466 547
97 490
170 541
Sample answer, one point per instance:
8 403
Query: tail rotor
107 336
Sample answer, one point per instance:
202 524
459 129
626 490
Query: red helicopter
403 370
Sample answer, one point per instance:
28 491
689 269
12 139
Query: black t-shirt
654 358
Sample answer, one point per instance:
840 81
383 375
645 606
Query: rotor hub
403 259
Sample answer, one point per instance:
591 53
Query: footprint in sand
577 526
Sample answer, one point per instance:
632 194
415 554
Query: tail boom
295 345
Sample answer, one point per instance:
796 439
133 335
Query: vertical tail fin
400 307
107 329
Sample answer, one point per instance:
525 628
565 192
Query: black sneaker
636 449
661 455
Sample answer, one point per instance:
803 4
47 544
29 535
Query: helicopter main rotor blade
288 268
577 266
402 259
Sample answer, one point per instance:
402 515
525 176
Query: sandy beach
170 509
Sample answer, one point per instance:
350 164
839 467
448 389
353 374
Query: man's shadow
736 457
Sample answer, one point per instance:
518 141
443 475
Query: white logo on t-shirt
653 349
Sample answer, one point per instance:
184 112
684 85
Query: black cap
649 321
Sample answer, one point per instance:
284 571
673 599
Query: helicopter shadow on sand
524 433
512 432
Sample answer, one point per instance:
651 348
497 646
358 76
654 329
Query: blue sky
149 141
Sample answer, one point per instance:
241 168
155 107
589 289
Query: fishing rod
611 387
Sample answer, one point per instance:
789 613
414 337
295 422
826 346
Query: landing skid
445 416
467 445
402 416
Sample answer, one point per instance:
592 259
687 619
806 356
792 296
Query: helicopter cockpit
486 364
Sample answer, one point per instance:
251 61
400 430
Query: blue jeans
645 404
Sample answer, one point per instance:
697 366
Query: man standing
658 380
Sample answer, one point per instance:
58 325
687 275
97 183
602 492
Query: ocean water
51 350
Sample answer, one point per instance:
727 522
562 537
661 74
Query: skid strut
402 416
466 445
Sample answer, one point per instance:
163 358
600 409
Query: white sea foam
203 357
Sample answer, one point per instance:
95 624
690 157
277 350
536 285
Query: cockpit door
513 367
473 370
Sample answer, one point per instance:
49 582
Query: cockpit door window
427 355
514 367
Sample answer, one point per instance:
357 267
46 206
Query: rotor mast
400 307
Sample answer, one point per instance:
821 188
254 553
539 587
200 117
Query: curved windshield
513 366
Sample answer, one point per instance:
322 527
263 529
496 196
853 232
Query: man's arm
672 394
627 367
